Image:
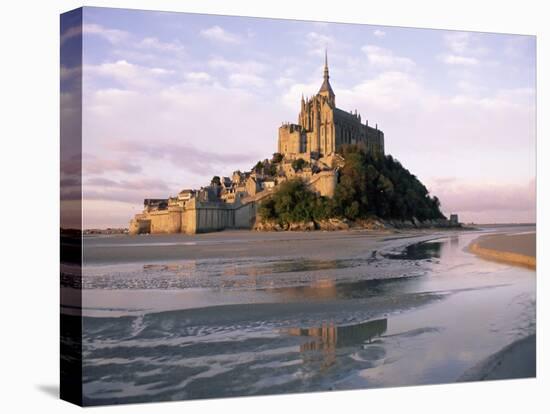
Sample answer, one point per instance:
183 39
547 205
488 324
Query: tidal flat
244 313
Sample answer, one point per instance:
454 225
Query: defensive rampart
204 217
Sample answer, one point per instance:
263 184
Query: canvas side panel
71 206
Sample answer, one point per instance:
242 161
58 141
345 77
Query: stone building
323 128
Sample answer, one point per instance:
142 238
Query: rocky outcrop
267 225
417 224
371 223
302 226
333 224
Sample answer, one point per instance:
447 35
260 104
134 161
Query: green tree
277 157
271 170
367 185
371 184
259 167
267 209
294 202
299 164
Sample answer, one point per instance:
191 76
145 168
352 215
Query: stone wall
324 183
140 225
203 217
189 218
197 217
214 218
375 140
245 215
165 221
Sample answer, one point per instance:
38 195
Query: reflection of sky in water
304 325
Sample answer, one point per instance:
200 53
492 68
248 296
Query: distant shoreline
517 249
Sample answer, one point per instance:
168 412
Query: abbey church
323 128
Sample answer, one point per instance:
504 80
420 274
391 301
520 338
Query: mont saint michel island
330 172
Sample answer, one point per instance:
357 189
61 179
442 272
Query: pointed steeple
325 75
326 89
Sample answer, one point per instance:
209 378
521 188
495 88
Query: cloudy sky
171 99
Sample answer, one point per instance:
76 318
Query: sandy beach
229 244
516 360
518 249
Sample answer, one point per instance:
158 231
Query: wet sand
517 360
233 244
518 249
243 313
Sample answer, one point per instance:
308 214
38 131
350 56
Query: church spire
326 89
325 75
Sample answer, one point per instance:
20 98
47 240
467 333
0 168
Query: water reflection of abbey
328 337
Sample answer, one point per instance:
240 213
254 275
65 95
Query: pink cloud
486 201
96 165
129 191
183 156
